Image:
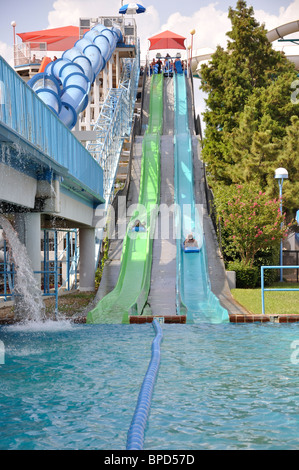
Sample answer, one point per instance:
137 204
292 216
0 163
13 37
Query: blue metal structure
114 124
35 123
52 265
49 149
7 274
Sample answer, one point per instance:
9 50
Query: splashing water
29 305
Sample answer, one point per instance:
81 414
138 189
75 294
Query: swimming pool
226 386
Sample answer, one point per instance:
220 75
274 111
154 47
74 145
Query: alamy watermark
174 220
2 353
2 92
295 353
295 93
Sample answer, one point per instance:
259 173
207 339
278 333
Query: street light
192 32
14 24
281 174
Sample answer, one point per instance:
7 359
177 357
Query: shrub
246 276
251 221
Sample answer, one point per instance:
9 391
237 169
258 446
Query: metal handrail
114 124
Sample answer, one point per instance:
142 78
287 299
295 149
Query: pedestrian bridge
43 167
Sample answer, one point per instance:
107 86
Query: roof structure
57 39
167 40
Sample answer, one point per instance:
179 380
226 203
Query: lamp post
192 32
14 24
281 174
188 60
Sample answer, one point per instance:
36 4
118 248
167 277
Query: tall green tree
248 104
289 159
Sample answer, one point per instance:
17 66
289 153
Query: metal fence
291 258
29 53
59 266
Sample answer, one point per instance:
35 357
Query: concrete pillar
28 226
87 259
117 72
110 74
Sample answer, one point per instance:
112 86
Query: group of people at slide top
169 66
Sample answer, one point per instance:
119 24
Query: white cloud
286 15
148 24
210 22
210 25
68 12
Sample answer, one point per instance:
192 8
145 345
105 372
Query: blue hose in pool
135 436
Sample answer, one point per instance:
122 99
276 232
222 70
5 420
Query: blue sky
31 15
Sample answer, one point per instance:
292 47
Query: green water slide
131 291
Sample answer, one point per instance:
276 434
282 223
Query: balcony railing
29 53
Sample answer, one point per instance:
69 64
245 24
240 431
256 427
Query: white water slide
277 33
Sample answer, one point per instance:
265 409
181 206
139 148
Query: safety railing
23 113
54 257
7 275
29 53
263 290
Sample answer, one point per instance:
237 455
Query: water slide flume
131 291
194 295
65 84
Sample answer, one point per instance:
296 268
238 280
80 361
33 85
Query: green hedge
246 277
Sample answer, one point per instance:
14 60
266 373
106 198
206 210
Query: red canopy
167 40
57 39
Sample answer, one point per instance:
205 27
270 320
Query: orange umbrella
167 40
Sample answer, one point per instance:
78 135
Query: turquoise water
219 386
71 387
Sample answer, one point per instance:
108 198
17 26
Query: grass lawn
275 302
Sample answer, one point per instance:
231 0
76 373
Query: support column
87 259
28 226
105 81
117 68
110 74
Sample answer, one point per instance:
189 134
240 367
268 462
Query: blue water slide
65 84
194 294
48 89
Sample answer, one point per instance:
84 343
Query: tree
289 159
247 83
266 139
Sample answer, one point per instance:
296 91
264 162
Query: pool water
227 386
71 387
